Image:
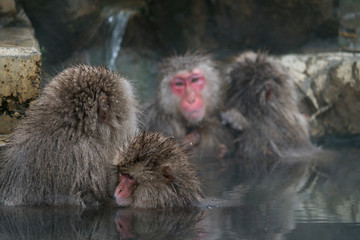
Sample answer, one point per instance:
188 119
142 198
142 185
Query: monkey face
144 184
124 190
154 172
188 86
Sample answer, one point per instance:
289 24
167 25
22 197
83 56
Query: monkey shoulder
155 119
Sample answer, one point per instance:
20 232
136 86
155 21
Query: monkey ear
166 172
267 93
103 108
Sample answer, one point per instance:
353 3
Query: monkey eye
178 82
194 80
126 174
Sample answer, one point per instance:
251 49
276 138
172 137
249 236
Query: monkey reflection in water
184 223
269 207
42 223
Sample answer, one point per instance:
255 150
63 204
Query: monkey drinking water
154 172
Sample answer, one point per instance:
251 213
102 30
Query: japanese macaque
187 104
262 106
154 172
270 199
62 152
179 223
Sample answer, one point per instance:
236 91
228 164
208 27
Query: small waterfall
117 25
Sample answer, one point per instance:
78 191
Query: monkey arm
234 119
190 140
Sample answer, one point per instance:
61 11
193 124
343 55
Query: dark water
313 198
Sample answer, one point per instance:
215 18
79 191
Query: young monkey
154 172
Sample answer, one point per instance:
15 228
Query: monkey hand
222 150
190 140
234 119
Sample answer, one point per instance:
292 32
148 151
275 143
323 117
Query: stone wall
235 25
7 11
63 27
20 69
329 86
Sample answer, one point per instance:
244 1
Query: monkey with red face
188 86
155 172
188 102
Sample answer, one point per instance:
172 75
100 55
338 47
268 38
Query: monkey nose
191 97
191 100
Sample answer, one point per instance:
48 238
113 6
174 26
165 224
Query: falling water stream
117 23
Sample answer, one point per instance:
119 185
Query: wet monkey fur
262 107
61 152
154 172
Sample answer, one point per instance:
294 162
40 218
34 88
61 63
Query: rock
236 25
329 90
63 27
20 71
7 12
6 124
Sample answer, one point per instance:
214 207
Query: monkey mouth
124 190
196 115
123 202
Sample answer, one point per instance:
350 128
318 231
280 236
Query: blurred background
318 40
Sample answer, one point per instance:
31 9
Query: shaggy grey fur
61 152
262 103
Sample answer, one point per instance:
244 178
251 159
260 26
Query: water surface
311 198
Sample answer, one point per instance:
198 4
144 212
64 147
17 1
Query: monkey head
189 87
93 101
259 81
154 172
